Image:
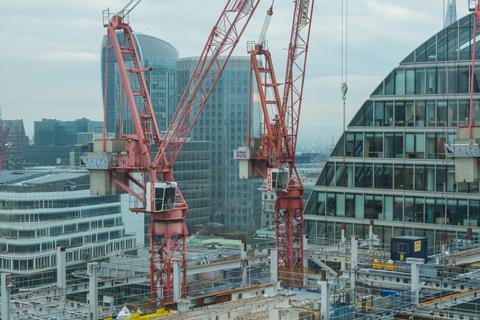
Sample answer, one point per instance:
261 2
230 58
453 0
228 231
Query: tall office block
160 57
224 123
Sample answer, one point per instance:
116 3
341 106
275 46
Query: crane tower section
271 152
139 160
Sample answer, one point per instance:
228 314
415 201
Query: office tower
224 123
160 58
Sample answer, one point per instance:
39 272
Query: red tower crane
272 154
139 160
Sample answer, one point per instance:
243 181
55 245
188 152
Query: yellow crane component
137 316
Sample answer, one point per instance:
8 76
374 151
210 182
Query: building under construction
297 275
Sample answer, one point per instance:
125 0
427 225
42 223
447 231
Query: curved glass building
390 165
161 57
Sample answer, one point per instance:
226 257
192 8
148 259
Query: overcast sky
50 62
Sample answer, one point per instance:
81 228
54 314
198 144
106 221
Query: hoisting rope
344 66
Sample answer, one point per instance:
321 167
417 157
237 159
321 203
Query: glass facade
390 165
161 58
224 123
34 224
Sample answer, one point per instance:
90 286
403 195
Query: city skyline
61 55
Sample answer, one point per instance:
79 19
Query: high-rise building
390 164
450 13
16 140
160 57
45 209
224 123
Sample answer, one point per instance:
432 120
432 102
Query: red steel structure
276 147
147 157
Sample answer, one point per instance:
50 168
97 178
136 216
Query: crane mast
272 154
139 160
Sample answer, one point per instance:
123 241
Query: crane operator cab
277 179
164 196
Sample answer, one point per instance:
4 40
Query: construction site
284 274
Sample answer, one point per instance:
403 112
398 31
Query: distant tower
3 142
451 13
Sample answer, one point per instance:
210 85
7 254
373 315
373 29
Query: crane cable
344 65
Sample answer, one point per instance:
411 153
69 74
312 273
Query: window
399 176
463 79
340 212
331 204
409 210
410 81
452 113
398 209
441 80
344 174
431 119
451 185
440 211
399 113
350 205
339 150
464 39
373 207
400 82
393 145
363 175
388 113
463 111
388 208
474 213
431 81
430 210
420 181
389 84
408 180
441 179
383 176
452 80
368 109
441 113
359 214
442 53
326 178
379 114
453 41
419 113
431 49
420 81
409 114
321 203
373 145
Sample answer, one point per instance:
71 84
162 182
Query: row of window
433 178
452 43
60 203
416 113
432 80
80 254
394 145
50 216
399 208
68 243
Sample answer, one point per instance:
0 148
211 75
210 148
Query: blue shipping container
409 247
